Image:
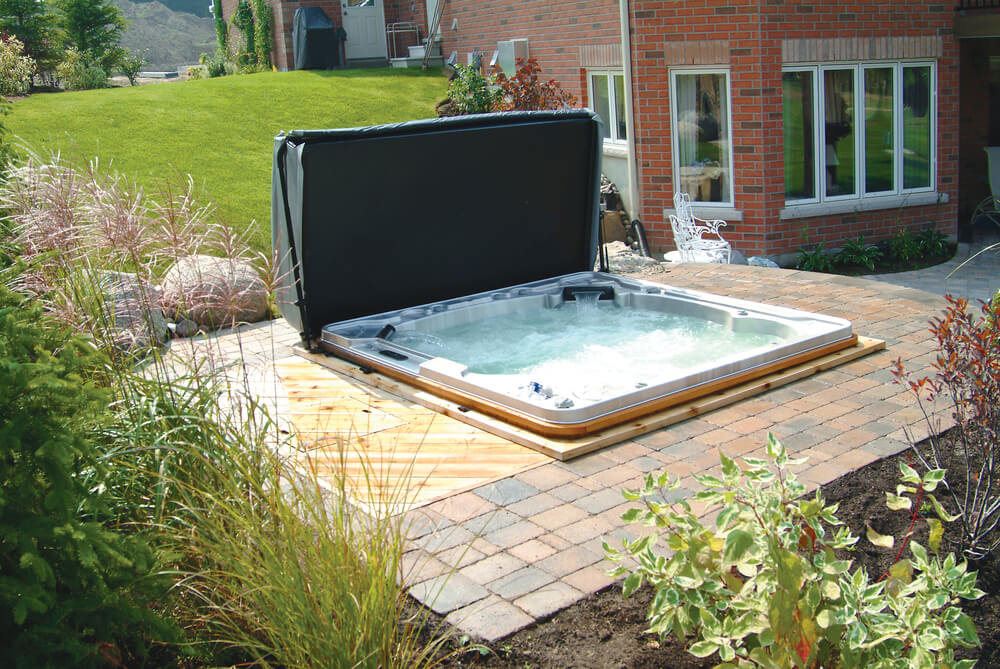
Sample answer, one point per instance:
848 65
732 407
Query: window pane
602 106
916 127
800 149
703 137
620 107
838 129
879 141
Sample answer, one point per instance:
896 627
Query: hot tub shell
368 341
362 237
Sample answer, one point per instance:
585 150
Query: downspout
633 165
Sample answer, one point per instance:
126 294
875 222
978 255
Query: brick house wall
752 39
761 35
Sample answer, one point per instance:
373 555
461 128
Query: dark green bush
72 591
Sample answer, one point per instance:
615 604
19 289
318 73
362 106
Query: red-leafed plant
967 376
524 91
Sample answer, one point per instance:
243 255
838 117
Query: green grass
220 131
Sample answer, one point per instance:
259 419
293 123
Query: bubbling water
589 343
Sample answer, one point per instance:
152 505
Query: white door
364 23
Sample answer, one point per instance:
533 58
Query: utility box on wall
508 53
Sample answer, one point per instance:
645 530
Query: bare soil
606 631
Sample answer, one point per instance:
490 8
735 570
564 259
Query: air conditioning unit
509 52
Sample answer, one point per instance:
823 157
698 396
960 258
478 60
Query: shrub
967 377
16 67
525 92
471 92
218 64
78 72
903 247
71 590
856 252
765 587
132 64
932 243
815 260
263 25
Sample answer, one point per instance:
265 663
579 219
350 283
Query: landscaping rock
133 308
185 328
214 292
760 261
624 260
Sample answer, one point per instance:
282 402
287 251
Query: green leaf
709 481
919 552
729 468
20 611
932 478
632 583
703 648
726 516
939 510
831 590
737 543
825 618
633 515
909 474
968 629
936 534
631 495
897 503
727 653
882 540
856 634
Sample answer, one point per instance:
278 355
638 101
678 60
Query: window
702 140
860 130
607 96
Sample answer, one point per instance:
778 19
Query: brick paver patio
497 558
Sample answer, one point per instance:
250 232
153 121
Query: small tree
95 28
16 68
132 64
525 92
35 24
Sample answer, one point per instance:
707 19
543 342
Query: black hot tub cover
365 220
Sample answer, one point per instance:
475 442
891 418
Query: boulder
214 292
761 261
133 309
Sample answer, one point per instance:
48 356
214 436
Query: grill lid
366 220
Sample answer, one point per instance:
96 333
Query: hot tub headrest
371 219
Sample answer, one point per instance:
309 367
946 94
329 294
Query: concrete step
433 61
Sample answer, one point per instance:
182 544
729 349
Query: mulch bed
606 631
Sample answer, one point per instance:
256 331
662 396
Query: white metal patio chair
990 206
690 231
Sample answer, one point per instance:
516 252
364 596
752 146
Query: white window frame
724 71
613 139
819 105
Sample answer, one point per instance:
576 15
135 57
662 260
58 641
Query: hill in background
174 38
196 7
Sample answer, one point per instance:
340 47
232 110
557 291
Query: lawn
220 131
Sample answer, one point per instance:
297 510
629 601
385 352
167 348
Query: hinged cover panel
392 216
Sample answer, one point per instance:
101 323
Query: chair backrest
993 169
682 207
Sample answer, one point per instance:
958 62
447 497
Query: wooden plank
391 450
564 449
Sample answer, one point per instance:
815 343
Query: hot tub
571 355
457 255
